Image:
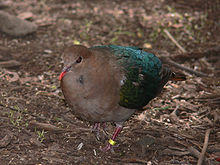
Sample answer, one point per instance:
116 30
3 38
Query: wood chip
10 64
25 15
5 141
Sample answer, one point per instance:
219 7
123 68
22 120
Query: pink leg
96 126
111 141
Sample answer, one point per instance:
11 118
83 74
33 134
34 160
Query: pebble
15 26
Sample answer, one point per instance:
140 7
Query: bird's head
74 56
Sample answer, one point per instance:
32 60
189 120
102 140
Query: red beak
65 70
61 75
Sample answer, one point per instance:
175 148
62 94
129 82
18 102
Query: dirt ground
36 125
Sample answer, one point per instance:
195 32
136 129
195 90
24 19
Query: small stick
174 41
205 145
197 73
193 151
53 128
46 126
189 70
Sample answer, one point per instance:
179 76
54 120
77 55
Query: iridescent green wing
142 71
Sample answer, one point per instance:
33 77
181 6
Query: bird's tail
177 77
166 74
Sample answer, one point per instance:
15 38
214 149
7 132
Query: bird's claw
96 130
109 147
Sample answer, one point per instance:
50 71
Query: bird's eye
79 59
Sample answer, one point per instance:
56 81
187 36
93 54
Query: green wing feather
142 72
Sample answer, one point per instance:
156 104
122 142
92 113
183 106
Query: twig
53 128
214 51
205 145
131 160
10 64
5 141
46 126
174 41
173 115
10 79
194 152
171 62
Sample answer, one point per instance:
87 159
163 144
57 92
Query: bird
108 83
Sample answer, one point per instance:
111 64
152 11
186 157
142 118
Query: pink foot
111 142
107 148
